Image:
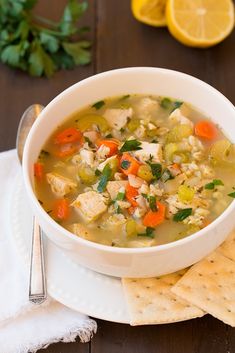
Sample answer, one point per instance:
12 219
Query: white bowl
135 262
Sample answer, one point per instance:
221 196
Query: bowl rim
107 248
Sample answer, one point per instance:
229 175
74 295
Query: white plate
75 286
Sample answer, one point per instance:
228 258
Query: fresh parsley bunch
38 45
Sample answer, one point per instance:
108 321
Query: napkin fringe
69 334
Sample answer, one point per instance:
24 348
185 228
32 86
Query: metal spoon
37 283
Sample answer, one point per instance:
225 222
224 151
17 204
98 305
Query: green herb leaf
49 42
72 12
125 164
120 196
149 232
78 51
108 136
97 172
106 175
156 169
176 105
90 144
218 182
38 45
182 214
211 186
152 203
166 103
232 194
166 175
40 62
98 105
131 145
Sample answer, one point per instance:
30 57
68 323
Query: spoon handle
37 283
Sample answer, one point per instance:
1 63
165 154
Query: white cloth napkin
25 327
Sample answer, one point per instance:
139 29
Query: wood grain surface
120 41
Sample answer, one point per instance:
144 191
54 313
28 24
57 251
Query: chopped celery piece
113 166
223 151
145 172
131 228
169 151
185 193
133 124
88 121
179 132
87 175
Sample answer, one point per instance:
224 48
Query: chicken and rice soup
136 171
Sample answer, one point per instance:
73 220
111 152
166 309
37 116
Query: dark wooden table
120 41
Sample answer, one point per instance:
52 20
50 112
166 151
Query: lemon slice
151 12
200 23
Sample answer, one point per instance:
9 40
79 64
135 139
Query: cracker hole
208 299
216 273
212 261
199 274
232 272
229 311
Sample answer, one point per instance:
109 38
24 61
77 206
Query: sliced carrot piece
206 129
154 218
112 145
131 193
61 209
131 210
38 171
67 136
131 166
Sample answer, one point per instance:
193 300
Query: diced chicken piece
113 187
60 185
103 164
140 132
123 204
146 106
90 204
87 157
135 181
115 221
177 117
91 135
117 118
139 212
80 230
149 150
102 152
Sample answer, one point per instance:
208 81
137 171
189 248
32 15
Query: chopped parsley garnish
156 169
118 209
44 153
90 144
167 103
105 176
131 145
125 97
98 105
211 186
154 141
166 175
108 136
125 164
232 194
97 172
182 214
152 203
122 129
149 232
120 196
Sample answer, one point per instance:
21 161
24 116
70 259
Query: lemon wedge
151 12
200 23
